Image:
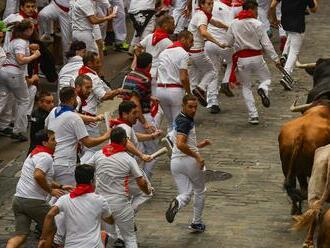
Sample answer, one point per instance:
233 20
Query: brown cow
318 194
298 141
323 237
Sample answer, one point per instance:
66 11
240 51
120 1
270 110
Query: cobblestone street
249 210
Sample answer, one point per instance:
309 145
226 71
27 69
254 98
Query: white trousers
88 152
292 48
119 23
148 30
246 68
32 94
203 74
218 55
15 84
123 215
7 101
189 180
181 22
171 101
12 7
88 37
52 13
263 8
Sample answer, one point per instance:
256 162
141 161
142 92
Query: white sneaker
253 120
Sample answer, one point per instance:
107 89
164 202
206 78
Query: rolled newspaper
107 118
159 153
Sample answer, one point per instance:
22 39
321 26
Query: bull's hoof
295 211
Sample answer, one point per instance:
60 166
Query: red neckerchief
158 35
82 189
176 44
144 71
40 148
85 70
245 14
167 2
208 15
117 122
112 149
34 17
227 2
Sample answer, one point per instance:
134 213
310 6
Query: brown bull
318 194
298 141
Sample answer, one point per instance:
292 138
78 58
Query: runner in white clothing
250 40
114 166
202 72
83 209
222 10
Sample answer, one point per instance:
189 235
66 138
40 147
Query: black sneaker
214 109
172 210
286 83
225 89
201 96
119 243
264 98
19 137
197 227
283 59
6 132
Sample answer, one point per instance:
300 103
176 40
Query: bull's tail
306 219
290 180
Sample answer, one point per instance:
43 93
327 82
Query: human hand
186 13
146 157
200 161
67 187
99 117
204 143
57 193
35 53
157 133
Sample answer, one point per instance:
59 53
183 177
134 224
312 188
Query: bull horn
304 66
299 108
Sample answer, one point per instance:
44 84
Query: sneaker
225 89
172 210
264 98
124 46
201 96
6 132
286 83
197 227
253 120
167 142
19 137
119 243
283 59
214 109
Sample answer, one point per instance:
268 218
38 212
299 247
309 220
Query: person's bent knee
16 241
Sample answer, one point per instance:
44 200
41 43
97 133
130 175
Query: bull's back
323 239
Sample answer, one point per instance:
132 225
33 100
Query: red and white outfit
57 10
201 71
222 11
114 166
169 88
249 39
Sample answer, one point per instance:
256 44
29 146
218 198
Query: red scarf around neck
158 35
245 14
40 148
85 70
117 122
112 149
208 15
176 44
227 2
82 189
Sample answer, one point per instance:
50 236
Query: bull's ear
319 61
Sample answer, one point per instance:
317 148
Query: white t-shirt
138 5
99 90
112 173
27 186
80 10
69 72
170 62
69 128
155 51
17 46
130 134
249 34
223 13
64 3
198 19
83 216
